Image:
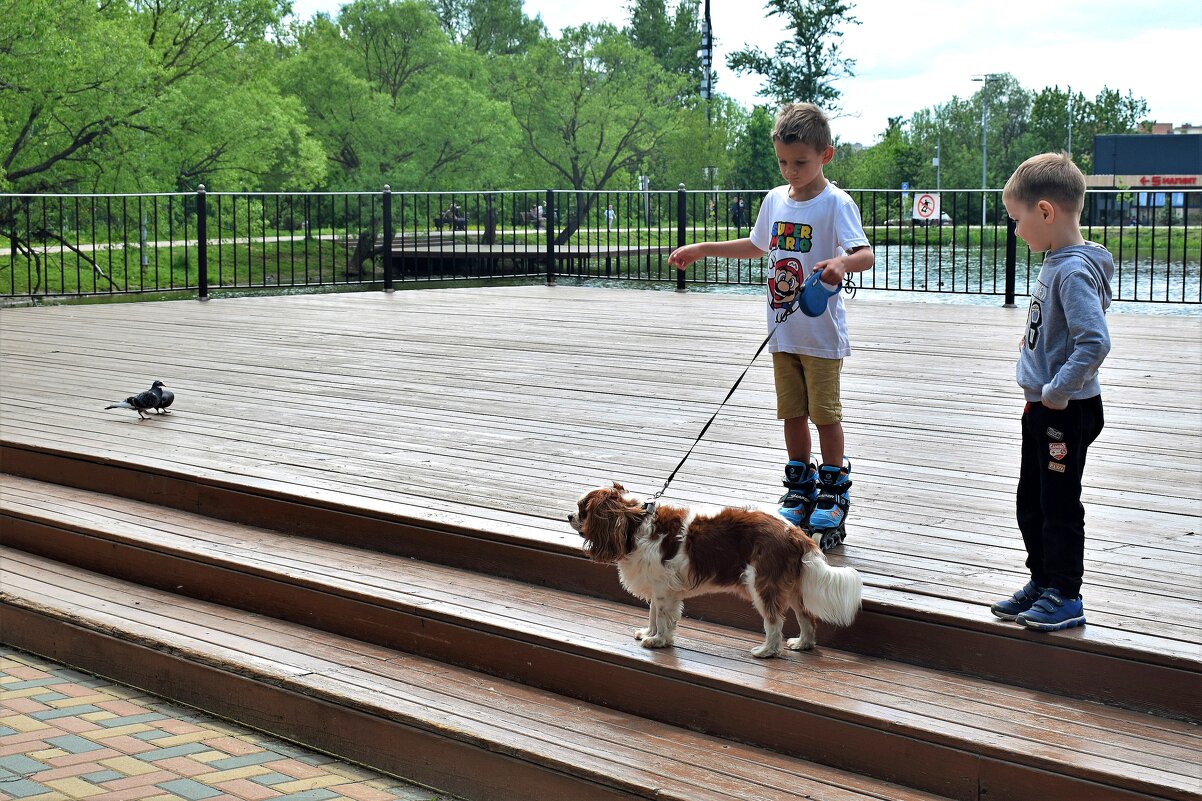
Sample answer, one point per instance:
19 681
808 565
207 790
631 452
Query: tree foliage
803 67
154 95
590 105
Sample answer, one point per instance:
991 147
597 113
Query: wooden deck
458 426
493 409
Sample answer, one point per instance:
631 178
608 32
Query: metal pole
387 211
550 231
202 244
1011 261
984 153
680 231
1070 122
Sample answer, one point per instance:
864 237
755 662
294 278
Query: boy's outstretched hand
682 257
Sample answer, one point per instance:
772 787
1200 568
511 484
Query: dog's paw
799 644
656 642
764 651
641 633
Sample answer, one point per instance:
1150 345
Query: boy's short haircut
802 122
1048 176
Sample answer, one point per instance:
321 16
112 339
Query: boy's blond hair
1048 176
802 122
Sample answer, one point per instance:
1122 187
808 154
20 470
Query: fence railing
202 242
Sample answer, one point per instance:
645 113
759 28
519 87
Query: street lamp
938 146
985 80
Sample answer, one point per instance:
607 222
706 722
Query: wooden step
953 735
901 622
468 733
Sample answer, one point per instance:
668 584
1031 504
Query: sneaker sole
1064 624
1004 615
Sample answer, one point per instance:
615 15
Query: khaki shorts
807 386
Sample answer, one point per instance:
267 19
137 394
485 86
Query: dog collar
649 508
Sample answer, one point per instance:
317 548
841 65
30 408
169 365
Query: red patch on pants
1057 450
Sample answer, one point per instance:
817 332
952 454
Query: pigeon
154 398
166 397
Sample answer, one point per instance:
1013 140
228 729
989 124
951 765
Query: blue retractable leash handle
815 294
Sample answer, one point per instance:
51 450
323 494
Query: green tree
590 106
804 67
672 38
497 27
93 92
394 101
753 159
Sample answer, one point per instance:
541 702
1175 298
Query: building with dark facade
1161 175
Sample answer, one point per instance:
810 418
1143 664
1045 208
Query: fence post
387 244
1011 262
548 222
680 231
202 244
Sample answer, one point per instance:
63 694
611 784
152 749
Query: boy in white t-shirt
807 225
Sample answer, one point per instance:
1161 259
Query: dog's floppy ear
608 523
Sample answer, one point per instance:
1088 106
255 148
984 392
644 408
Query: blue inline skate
827 521
798 502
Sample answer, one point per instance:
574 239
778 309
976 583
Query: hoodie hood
1097 261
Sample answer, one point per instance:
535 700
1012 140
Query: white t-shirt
797 235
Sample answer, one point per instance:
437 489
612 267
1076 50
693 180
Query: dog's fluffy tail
832 594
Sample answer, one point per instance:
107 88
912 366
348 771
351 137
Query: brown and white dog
667 554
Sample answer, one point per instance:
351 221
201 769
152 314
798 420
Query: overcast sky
913 54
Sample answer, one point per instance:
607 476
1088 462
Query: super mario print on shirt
796 235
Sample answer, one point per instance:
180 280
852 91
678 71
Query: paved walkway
70 735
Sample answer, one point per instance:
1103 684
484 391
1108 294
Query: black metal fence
201 243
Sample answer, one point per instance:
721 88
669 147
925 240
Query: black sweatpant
1050 515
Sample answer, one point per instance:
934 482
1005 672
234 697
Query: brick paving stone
66 772
295 768
185 766
129 766
234 746
75 787
107 742
76 725
248 790
132 794
129 745
22 705
141 780
86 756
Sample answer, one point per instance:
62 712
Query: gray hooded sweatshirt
1067 338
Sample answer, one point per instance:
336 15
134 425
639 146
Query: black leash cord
650 506
849 287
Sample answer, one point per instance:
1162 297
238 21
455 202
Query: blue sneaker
796 504
1053 612
1017 603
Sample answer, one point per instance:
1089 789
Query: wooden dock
351 531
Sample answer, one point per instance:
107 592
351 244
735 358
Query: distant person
1065 343
454 216
805 226
609 216
737 211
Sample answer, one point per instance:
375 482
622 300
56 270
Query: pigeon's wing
143 400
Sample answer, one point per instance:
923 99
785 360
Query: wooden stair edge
308 706
984 648
839 734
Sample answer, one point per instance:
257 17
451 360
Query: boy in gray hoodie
1065 342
